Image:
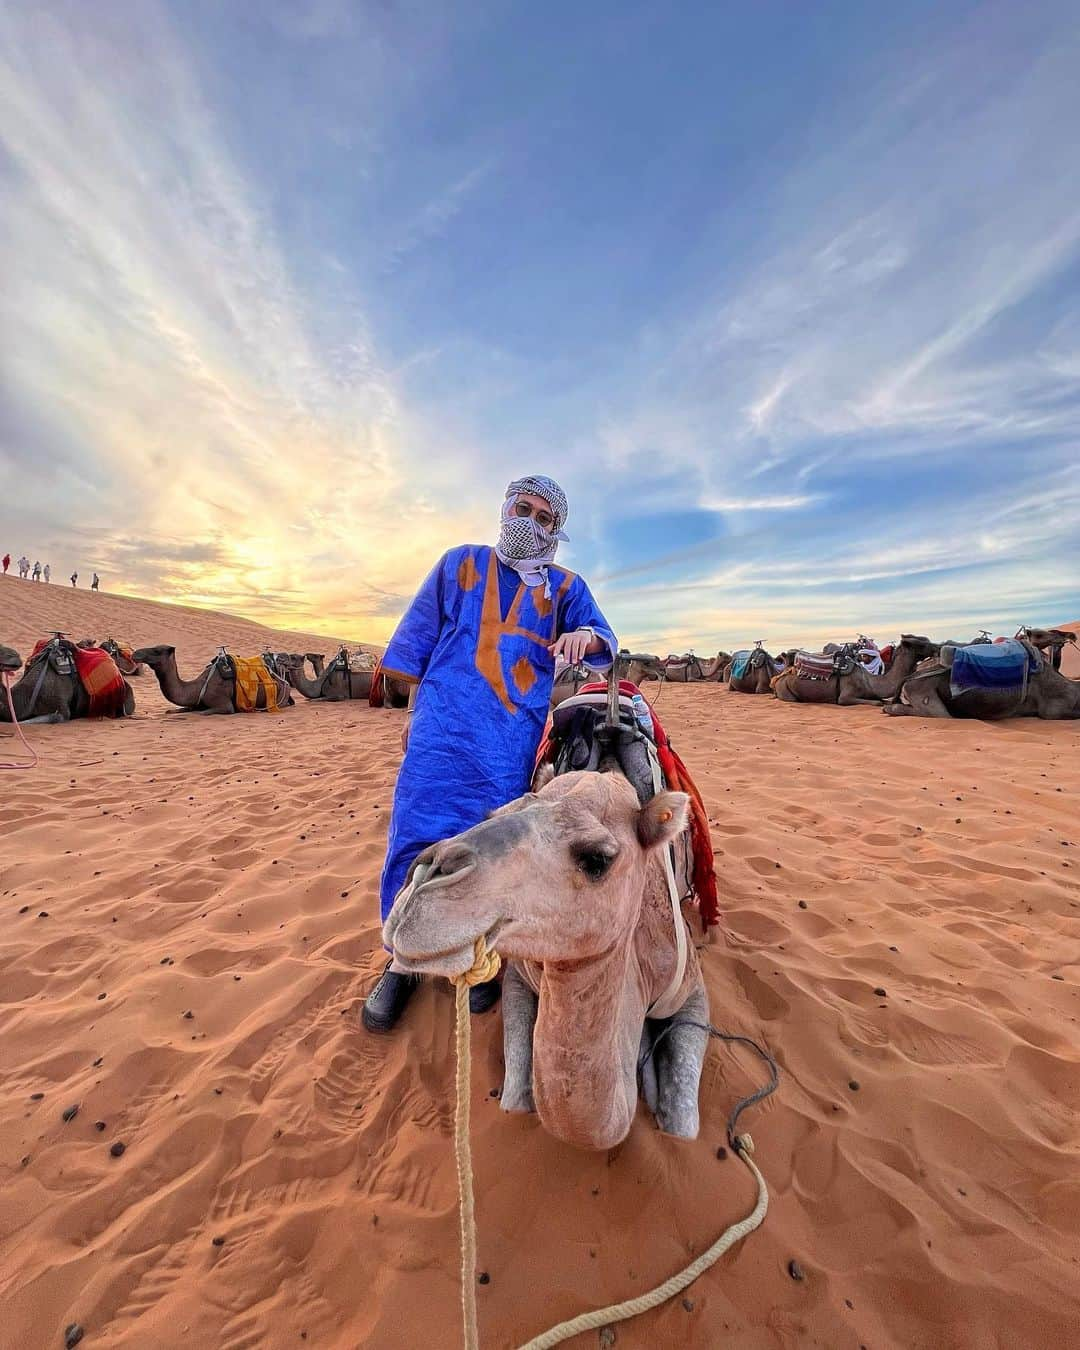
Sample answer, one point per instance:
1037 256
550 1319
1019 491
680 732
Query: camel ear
663 819
543 776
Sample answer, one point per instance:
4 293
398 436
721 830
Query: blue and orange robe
475 638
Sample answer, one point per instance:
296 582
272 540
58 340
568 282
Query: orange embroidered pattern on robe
493 628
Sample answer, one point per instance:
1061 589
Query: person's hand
405 733
572 646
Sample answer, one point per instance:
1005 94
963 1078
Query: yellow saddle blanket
251 672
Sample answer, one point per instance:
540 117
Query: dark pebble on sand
164 961
189 1015
25 909
795 1270
101 996
721 1153
854 1085
117 1149
483 1278
98 1063
73 1334
36 1096
44 914
894 949
70 1113
1057 977
25 1161
688 1304
495 1092
803 904
99 1124
880 992
218 1241
217 1092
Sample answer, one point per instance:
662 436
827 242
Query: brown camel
928 693
855 685
568 884
756 669
641 666
122 654
213 690
50 689
569 681
335 683
684 669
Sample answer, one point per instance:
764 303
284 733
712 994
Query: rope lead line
485 967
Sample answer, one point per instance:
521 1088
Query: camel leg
679 1057
520 1007
923 701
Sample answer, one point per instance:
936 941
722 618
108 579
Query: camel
1049 641
335 683
928 693
684 669
756 676
119 651
50 689
856 685
568 884
714 671
212 691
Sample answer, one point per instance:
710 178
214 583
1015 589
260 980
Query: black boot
484 996
386 1002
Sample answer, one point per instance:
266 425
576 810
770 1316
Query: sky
786 296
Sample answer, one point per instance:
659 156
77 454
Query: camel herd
916 681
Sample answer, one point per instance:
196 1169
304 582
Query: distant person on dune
95 583
47 573
24 566
74 579
478 646
37 571
7 561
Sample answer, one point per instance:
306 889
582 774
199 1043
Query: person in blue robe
478 644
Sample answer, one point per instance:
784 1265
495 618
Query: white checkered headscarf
523 544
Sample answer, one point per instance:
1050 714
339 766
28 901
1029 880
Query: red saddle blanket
100 677
677 778
814 666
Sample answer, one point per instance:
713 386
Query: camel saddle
826 665
1005 666
577 738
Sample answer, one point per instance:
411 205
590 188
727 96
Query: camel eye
593 862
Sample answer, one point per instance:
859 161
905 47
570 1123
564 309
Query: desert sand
189 924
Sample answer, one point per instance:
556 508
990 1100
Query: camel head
641 666
920 647
557 876
9 659
154 657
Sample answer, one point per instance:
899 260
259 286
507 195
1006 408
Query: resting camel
684 669
50 689
758 674
857 686
213 690
928 693
336 683
568 884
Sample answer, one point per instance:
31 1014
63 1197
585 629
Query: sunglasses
543 518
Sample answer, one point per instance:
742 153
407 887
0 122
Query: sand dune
190 921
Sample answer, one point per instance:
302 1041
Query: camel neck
585 1046
184 693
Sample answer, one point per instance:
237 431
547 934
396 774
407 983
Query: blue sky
785 295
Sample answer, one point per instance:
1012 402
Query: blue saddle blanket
739 662
992 665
